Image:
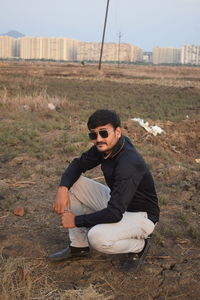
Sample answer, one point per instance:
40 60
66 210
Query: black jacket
128 177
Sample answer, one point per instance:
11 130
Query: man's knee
97 239
78 184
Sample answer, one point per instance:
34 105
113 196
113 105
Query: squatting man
112 219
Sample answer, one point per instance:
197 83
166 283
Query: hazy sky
145 23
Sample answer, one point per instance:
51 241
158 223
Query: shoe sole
143 255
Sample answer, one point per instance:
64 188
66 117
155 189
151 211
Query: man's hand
61 201
68 220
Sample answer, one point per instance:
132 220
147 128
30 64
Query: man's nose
99 138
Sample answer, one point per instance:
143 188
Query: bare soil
172 266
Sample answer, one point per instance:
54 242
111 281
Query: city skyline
146 24
64 49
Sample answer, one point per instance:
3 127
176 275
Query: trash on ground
151 129
197 160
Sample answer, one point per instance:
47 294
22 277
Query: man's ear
118 132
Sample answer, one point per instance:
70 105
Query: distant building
168 55
112 52
136 53
16 48
6 47
147 57
190 54
65 49
47 48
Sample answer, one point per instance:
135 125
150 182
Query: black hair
103 117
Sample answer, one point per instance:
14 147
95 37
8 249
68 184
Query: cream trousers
127 235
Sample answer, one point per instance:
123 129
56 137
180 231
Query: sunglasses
103 133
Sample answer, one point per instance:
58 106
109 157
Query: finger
63 220
57 209
60 209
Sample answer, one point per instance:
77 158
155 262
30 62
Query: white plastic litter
151 129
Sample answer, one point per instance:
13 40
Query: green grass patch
147 101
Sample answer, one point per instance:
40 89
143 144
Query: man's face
105 144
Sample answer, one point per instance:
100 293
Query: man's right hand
61 201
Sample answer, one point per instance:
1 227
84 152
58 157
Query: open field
36 143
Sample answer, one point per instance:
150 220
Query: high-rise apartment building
73 50
111 52
168 55
6 46
190 54
47 48
136 53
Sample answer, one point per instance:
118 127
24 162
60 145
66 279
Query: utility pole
104 30
119 36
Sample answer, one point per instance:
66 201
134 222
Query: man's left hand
68 219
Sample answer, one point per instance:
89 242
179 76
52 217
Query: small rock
162 243
26 107
51 106
19 211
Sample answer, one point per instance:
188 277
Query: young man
112 219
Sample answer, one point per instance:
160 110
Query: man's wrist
63 187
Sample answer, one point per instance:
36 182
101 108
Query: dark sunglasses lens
92 135
103 133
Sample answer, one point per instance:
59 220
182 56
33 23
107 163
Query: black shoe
133 261
68 253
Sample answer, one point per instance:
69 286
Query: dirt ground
172 266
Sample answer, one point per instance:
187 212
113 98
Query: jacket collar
116 149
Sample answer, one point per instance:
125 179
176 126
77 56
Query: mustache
100 143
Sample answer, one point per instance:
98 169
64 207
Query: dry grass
143 91
89 293
37 103
23 279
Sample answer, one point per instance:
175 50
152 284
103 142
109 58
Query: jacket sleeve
87 161
126 180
